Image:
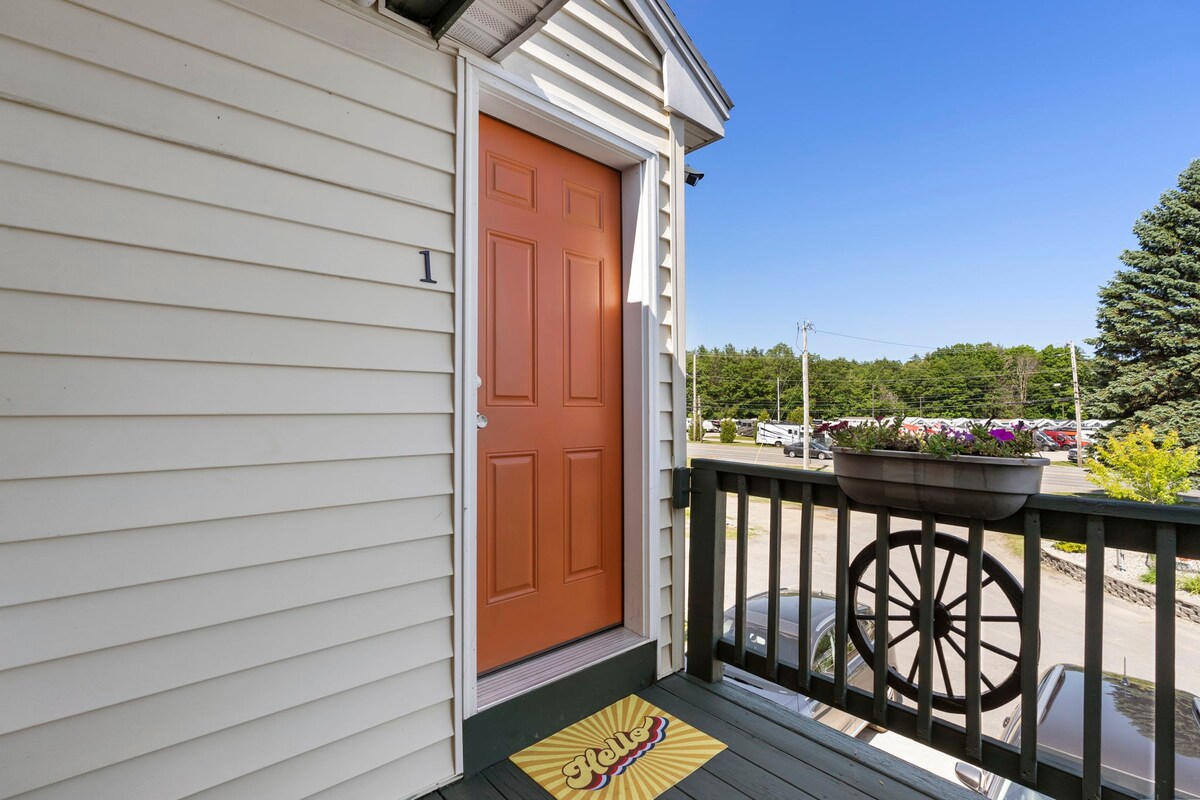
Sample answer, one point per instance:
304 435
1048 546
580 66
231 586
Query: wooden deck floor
771 754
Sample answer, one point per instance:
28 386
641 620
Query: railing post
706 577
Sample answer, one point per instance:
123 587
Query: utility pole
804 367
778 418
696 424
1078 408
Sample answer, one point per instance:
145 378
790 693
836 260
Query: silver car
821 658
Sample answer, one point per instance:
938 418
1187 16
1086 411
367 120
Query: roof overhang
492 27
498 27
692 89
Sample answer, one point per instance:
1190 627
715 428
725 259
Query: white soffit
492 26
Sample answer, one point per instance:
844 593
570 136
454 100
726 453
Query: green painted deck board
772 755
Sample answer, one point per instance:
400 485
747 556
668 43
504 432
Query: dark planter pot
979 487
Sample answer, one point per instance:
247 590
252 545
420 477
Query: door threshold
505 684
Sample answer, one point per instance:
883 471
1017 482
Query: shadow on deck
771 753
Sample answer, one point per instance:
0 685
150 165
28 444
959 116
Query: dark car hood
1127 731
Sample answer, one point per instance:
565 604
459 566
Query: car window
823 654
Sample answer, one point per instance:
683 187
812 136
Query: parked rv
777 434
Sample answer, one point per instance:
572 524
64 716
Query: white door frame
484 87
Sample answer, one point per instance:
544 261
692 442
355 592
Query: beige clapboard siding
140 500
214 76
64 204
267 42
616 27
51 386
64 749
34 323
137 613
202 763
226 405
411 770
61 688
54 264
44 569
113 98
353 758
53 143
37 447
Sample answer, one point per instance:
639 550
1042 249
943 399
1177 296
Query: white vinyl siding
226 402
593 55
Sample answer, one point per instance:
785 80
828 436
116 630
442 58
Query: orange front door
550 508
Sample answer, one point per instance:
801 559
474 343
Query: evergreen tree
1148 351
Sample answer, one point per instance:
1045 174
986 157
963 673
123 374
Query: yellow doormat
630 750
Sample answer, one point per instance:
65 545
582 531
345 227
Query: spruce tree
1148 350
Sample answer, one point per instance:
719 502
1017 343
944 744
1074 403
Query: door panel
550 460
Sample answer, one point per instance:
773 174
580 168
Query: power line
878 341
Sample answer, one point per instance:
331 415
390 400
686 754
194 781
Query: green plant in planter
979 440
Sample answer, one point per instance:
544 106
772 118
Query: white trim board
487 89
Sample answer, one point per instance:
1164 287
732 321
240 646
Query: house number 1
428 275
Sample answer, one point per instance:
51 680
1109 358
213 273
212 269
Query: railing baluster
882 609
974 688
1030 620
843 602
706 577
1093 655
743 543
776 556
805 587
1164 662
925 653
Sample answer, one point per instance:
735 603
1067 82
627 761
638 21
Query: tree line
961 380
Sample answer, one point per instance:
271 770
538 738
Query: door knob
480 421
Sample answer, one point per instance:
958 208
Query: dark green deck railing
1165 531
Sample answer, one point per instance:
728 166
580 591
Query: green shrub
1190 584
1070 547
728 431
1133 467
1149 576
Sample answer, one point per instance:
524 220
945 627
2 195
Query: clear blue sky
931 172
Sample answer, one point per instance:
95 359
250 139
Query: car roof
823 606
1127 729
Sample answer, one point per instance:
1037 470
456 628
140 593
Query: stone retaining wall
1120 588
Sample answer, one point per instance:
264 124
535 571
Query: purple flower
968 438
1001 435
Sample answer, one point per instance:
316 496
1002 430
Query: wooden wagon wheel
1000 683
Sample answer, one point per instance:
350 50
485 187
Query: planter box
978 487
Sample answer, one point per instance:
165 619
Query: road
1058 478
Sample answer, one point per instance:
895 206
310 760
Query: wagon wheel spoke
988 645
937 598
903 586
945 670
867 586
912 550
990 579
902 637
987 618
912 672
962 653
